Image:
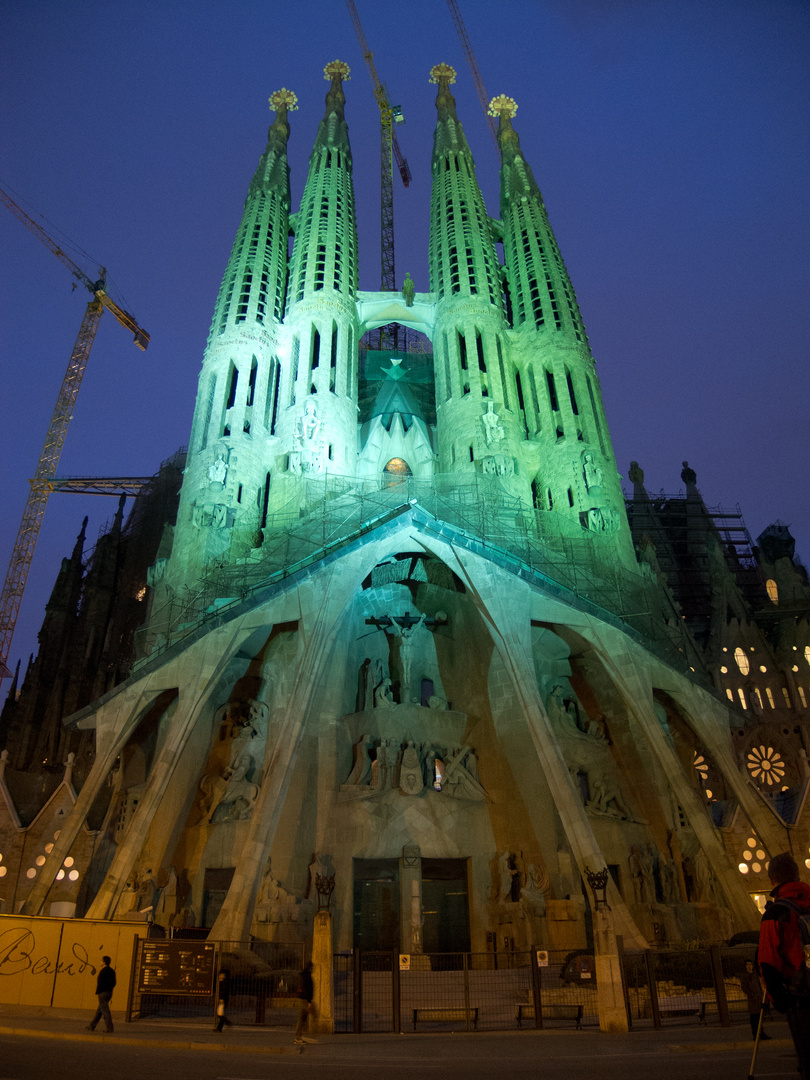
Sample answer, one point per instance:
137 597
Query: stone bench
443 1015
573 1012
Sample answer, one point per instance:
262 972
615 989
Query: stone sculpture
383 698
410 771
533 893
493 429
605 797
407 635
361 769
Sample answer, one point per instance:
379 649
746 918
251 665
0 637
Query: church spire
320 375
541 291
575 470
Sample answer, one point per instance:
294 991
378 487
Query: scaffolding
331 513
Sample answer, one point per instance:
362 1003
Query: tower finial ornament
442 71
502 103
337 68
283 99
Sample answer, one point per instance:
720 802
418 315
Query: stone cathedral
402 633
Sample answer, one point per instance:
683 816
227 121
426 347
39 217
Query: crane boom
389 151
97 288
472 64
41 486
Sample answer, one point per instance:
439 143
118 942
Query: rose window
766 765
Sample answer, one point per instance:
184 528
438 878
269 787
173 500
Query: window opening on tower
479 348
254 368
571 393
462 350
232 389
552 392
333 357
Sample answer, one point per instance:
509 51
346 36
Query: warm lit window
773 590
801 695
758 695
729 693
765 765
786 696
807 653
742 660
769 696
741 695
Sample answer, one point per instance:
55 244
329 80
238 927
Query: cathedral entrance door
445 906
376 904
216 883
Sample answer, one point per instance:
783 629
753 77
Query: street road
550 1056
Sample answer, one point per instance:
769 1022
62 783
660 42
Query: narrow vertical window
479 348
552 392
333 357
209 408
254 369
265 501
316 349
571 393
502 374
462 351
232 388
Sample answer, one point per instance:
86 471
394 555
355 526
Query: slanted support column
323 599
710 722
637 693
511 633
115 723
202 667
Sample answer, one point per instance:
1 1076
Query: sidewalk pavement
199 1035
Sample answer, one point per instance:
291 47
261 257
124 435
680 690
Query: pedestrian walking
306 992
223 996
105 984
782 952
752 988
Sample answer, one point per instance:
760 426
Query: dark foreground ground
59 1049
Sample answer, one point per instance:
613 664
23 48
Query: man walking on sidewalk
105 984
306 993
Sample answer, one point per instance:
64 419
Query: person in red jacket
781 952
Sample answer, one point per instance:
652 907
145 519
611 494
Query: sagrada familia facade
401 628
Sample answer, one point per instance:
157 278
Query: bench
440 1015
682 1005
735 1005
574 1012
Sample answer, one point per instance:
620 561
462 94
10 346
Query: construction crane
389 150
472 64
44 482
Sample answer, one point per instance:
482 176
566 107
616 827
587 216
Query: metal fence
665 986
374 991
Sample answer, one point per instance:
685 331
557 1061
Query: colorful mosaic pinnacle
502 104
283 99
442 71
337 68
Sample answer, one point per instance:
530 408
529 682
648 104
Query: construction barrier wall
52 963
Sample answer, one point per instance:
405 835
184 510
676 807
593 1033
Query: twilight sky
669 137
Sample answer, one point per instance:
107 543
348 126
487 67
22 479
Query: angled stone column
709 719
115 722
510 626
322 599
636 689
197 672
